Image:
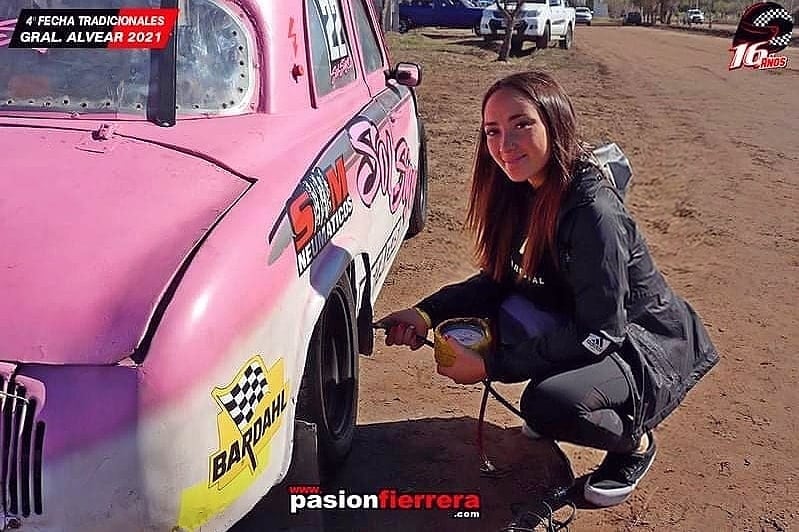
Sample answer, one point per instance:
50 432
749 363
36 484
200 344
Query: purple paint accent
85 405
91 243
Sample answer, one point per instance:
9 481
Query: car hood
92 233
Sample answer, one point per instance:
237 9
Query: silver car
583 15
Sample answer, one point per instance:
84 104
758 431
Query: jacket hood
583 189
92 233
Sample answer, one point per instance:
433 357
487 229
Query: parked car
539 21
583 15
694 16
190 267
441 13
632 18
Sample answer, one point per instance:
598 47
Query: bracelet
425 316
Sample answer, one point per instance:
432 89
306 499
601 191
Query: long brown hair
501 211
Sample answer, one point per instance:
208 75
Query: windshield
213 71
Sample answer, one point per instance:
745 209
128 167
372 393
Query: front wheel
419 210
566 42
329 392
543 41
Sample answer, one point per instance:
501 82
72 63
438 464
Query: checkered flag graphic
242 400
768 16
782 40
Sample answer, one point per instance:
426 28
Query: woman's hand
469 367
405 327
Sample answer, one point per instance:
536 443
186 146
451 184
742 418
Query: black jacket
617 302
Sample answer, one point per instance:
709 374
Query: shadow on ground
489 46
435 456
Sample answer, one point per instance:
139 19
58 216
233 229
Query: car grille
21 441
496 25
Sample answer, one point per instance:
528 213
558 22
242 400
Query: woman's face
516 136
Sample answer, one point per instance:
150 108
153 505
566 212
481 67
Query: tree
388 11
509 16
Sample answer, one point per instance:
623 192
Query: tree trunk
389 19
510 27
504 50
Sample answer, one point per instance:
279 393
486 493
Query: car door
558 10
386 135
421 12
460 15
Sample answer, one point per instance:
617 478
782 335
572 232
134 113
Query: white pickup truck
540 21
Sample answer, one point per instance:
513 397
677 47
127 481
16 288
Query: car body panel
442 13
632 18
229 257
695 16
583 15
531 22
60 256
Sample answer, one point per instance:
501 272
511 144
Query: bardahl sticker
252 407
251 410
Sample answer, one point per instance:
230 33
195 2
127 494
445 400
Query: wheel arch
335 289
338 262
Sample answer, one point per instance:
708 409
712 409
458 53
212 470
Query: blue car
441 13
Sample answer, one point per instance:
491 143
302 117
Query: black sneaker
618 475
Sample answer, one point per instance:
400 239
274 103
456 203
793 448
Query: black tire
419 211
588 23
329 392
566 42
543 41
404 25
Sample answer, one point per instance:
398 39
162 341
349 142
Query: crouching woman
616 350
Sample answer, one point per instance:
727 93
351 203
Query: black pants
589 406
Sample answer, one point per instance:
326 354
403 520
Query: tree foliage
668 11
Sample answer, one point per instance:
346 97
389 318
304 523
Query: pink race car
193 240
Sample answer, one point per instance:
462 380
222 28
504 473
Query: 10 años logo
765 29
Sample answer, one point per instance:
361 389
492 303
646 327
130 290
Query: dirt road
716 155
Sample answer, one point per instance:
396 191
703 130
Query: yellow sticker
251 412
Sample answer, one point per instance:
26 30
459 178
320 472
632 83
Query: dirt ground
715 155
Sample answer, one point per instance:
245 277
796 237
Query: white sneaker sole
612 497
